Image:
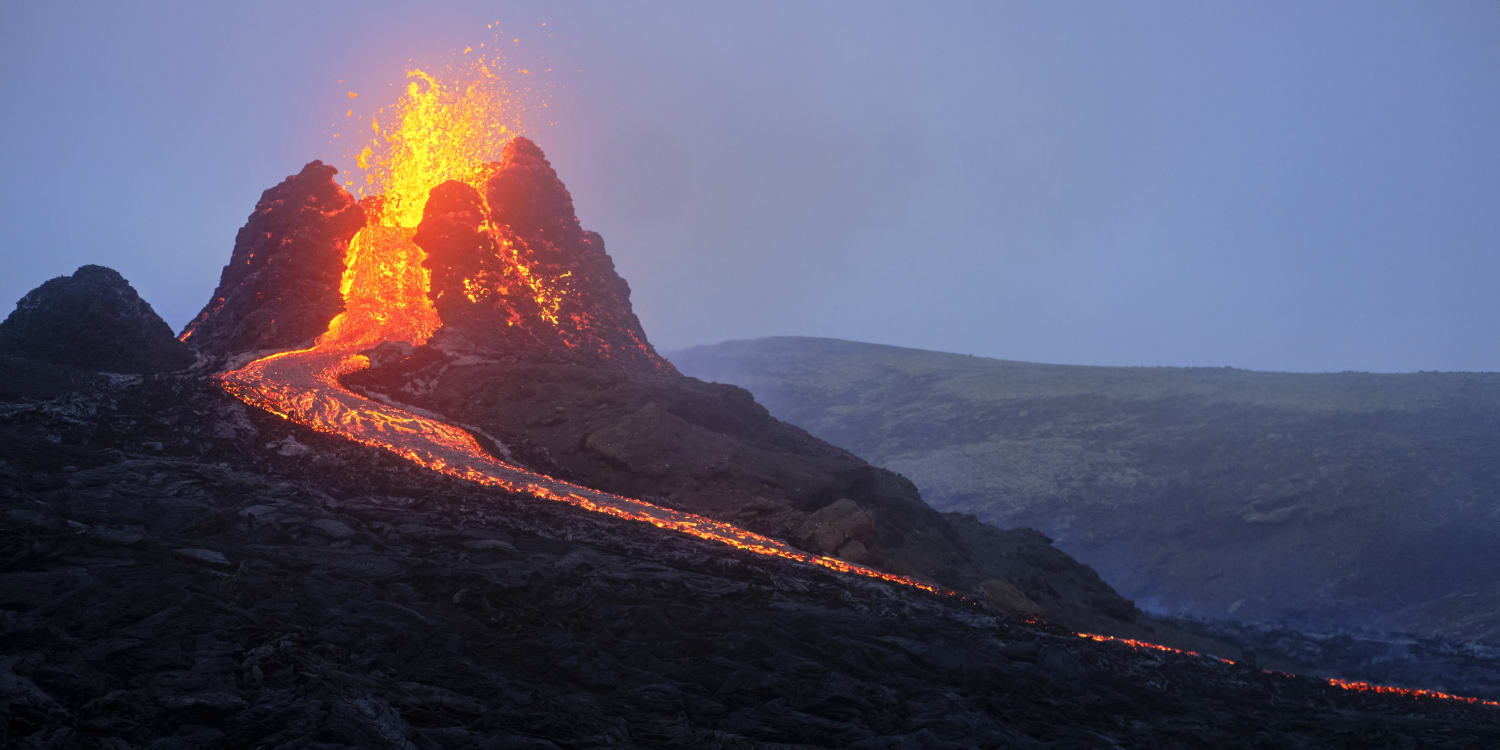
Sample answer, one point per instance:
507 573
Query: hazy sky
1298 186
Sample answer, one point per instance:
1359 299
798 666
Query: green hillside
1352 499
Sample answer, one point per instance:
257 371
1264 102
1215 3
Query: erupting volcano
494 259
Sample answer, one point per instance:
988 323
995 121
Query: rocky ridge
513 273
281 285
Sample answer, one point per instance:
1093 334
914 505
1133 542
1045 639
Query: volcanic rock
281 286
534 283
527 196
92 320
592 633
842 527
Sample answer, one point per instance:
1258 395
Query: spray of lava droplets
449 127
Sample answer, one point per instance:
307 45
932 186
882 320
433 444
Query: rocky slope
1340 500
178 570
515 274
281 285
92 320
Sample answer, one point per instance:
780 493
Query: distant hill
92 320
1348 499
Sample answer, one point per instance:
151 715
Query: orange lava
1416 694
1355 686
439 132
1133 643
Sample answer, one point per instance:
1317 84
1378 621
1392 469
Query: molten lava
1415 694
1354 686
1135 644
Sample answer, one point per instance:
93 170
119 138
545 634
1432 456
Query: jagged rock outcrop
281 286
92 320
513 273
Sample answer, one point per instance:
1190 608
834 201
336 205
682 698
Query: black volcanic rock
179 570
281 286
536 284
92 320
527 196
459 251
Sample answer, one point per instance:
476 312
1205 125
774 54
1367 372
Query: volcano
482 301
497 294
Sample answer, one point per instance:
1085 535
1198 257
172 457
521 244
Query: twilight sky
1287 186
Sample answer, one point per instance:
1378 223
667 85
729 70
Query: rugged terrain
180 570
1333 500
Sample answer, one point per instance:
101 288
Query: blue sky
1290 186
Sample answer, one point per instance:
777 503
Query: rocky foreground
177 570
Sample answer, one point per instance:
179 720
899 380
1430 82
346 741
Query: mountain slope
1349 499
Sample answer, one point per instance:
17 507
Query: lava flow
1350 685
439 134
